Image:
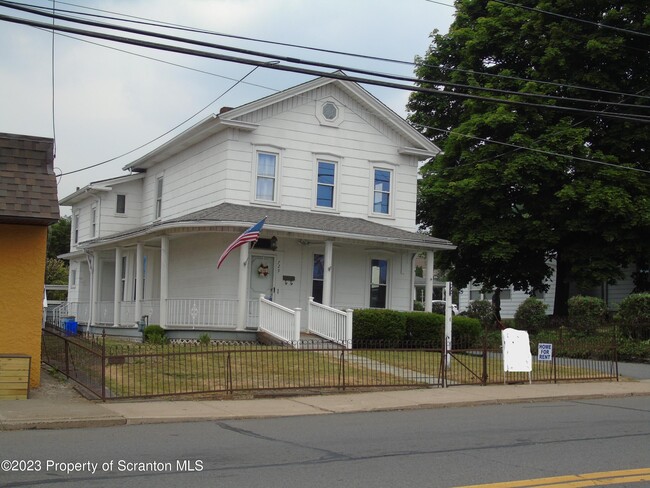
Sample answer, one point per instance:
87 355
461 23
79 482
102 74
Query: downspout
413 292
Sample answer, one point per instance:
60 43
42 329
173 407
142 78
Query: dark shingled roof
292 220
27 181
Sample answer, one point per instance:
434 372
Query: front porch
215 315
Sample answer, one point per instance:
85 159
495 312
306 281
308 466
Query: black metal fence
112 369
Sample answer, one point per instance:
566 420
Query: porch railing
279 322
201 312
330 323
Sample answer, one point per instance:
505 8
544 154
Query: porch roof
312 223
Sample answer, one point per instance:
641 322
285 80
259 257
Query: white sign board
516 351
544 352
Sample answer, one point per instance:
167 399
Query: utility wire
302 70
164 134
53 86
305 62
541 151
150 22
597 24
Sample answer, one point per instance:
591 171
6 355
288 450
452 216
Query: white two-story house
331 167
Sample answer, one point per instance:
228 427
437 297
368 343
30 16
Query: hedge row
391 325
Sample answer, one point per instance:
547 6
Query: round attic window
330 111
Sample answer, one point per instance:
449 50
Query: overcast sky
109 102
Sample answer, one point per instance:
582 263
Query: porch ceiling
305 223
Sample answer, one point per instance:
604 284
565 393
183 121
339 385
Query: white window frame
93 220
117 204
370 282
274 151
391 192
336 161
160 188
75 224
73 277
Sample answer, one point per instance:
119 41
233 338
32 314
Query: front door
262 277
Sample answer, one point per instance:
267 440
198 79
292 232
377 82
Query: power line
164 134
302 70
541 151
308 62
150 22
597 24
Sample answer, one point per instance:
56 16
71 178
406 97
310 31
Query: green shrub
531 315
466 332
481 310
155 334
634 316
204 339
390 325
422 326
378 324
586 314
633 350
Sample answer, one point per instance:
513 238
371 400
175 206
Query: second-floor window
75 224
326 184
120 206
159 193
382 191
93 221
266 182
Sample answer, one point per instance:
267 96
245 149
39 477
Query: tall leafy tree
513 212
58 237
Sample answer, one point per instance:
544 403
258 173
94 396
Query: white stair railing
330 323
279 322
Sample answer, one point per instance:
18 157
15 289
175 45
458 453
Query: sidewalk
65 411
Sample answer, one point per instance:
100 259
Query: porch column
327 274
94 302
164 279
242 288
139 255
428 283
117 286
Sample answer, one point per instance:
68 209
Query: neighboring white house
612 294
333 169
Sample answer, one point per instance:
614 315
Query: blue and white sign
544 352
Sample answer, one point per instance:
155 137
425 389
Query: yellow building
28 204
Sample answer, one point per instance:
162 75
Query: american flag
250 235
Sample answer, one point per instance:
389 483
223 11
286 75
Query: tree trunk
496 304
562 282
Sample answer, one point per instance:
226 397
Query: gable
356 105
247 118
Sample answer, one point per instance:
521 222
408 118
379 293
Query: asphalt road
432 448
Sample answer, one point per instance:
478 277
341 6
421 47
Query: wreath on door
263 271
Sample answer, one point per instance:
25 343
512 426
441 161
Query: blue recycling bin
70 326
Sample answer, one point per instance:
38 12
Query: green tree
511 212
58 237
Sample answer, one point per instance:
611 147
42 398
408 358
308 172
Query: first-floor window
378 283
73 277
317 278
